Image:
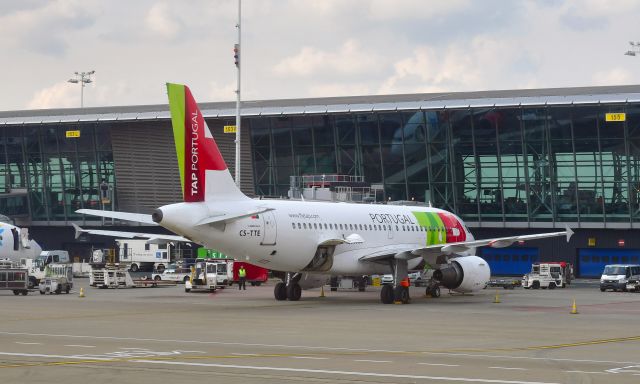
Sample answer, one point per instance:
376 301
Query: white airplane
308 240
15 243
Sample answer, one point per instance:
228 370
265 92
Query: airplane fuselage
293 235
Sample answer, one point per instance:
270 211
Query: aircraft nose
157 215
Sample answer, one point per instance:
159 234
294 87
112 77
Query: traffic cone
81 292
322 291
574 308
496 300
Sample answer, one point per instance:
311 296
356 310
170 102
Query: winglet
79 231
569 233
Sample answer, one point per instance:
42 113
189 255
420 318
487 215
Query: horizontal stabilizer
153 238
136 217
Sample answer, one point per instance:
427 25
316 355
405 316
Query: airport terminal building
507 162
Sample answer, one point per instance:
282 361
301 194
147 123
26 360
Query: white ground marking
344 373
245 354
309 357
134 349
313 347
373 361
20 342
629 369
80 346
442 365
509 368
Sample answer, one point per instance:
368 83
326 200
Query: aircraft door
389 231
270 228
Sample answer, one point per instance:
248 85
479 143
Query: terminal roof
415 101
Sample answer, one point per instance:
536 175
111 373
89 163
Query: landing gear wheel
16 292
401 294
294 292
434 292
552 285
535 285
386 294
280 291
24 293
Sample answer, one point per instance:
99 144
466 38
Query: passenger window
293 225
397 228
625 259
305 225
341 227
299 226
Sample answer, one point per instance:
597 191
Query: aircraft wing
386 252
152 238
499 242
137 217
430 253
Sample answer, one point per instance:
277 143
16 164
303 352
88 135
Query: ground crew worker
242 274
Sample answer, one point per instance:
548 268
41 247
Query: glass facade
562 163
51 170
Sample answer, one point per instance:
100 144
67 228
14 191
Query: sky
307 48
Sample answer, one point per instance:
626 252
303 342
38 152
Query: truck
140 255
255 275
36 266
14 279
207 275
58 278
550 274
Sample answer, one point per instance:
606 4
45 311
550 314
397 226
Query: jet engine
464 274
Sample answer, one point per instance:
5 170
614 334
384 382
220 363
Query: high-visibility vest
242 272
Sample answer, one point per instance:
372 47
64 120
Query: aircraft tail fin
203 172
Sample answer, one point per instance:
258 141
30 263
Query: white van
615 276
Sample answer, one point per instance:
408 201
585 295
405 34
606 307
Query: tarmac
161 335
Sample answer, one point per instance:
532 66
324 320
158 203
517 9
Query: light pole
82 78
237 51
635 48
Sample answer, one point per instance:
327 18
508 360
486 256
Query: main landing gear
398 292
290 290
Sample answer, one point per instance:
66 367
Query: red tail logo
201 151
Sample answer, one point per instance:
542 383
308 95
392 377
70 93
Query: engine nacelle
464 274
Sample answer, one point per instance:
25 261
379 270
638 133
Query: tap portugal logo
196 149
442 227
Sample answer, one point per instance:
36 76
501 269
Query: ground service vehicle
633 284
310 238
207 276
37 265
255 275
14 279
549 274
174 272
118 277
616 276
140 255
58 278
